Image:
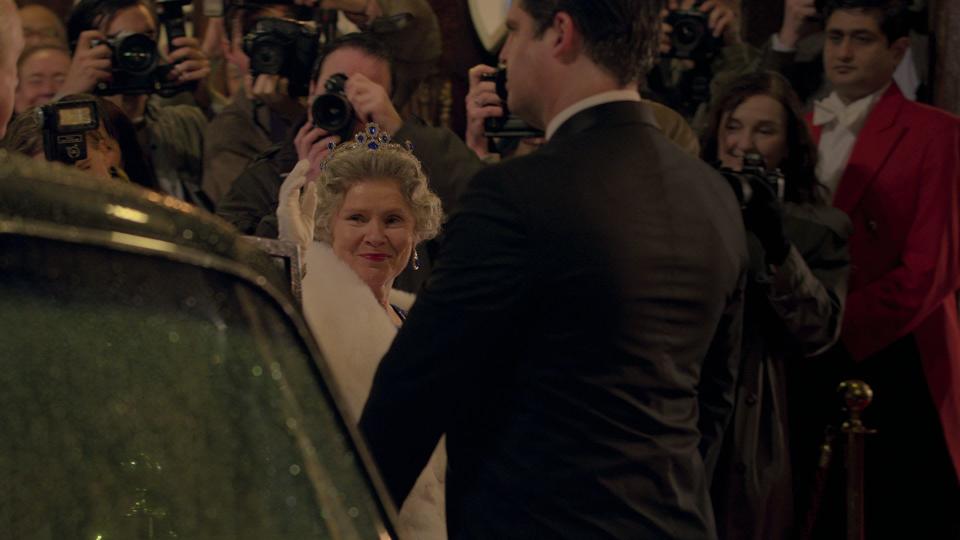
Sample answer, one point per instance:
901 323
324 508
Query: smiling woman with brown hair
794 300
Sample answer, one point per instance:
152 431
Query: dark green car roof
38 194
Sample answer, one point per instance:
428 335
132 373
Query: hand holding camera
274 92
371 103
284 47
799 17
696 29
334 115
90 64
763 216
482 102
189 63
760 192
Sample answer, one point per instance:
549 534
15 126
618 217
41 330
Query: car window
142 397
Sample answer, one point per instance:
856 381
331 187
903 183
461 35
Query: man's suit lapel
879 135
606 115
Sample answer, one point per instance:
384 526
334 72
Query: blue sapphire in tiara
373 145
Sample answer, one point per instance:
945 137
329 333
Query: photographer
171 136
794 298
699 57
414 42
106 150
260 113
251 203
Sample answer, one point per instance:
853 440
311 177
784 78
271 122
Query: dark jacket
244 130
789 316
577 341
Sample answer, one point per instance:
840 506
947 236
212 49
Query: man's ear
899 48
567 41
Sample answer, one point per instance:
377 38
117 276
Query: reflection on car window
146 398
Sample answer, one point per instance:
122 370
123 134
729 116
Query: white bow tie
831 109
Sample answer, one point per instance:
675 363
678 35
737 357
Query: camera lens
268 56
332 112
688 33
136 54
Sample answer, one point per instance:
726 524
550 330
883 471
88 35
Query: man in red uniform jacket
894 167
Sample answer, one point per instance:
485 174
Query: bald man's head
11 45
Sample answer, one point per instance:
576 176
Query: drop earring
416 259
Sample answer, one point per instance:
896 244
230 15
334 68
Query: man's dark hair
619 35
88 14
892 15
362 41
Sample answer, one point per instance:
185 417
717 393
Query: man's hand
273 91
797 15
723 19
666 43
482 102
763 216
189 62
313 144
372 104
90 65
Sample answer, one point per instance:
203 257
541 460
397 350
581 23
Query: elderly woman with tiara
368 209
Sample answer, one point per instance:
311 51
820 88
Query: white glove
296 215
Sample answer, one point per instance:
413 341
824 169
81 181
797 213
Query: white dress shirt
841 124
584 104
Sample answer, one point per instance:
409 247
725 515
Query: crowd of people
630 321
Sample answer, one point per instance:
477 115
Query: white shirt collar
584 104
850 115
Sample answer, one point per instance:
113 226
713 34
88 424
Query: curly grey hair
353 163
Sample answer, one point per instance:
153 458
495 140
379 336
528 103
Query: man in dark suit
579 337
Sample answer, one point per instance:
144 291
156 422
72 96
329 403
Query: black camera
64 125
754 167
691 38
508 125
135 63
283 47
332 110
136 67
